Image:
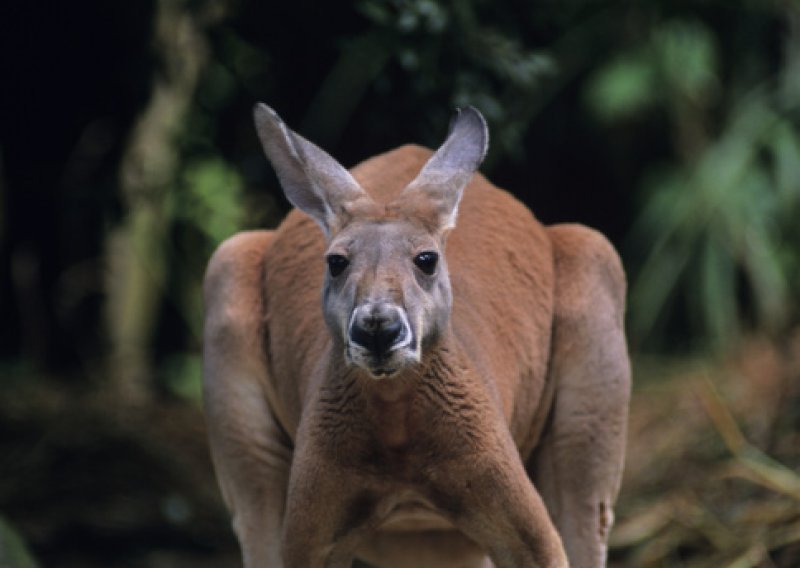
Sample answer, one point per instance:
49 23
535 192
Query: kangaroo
461 397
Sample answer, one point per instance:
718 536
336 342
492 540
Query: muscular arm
578 465
250 450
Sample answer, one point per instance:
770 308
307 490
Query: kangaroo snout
379 328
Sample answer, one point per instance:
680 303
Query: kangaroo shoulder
232 287
588 270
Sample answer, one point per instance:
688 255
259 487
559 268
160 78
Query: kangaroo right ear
444 177
311 179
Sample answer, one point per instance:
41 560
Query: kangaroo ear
443 178
311 179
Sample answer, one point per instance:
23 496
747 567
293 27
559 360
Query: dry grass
711 477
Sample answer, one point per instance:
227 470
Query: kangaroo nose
377 328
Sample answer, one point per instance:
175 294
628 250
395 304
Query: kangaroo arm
250 449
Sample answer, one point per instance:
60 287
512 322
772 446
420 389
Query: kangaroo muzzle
379 337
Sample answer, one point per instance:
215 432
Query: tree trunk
137 261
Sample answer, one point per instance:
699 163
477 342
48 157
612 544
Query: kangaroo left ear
311 179
443 178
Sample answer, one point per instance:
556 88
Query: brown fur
319 463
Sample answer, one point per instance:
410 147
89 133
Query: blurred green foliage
182 376
719 222
721 231
14 552
211 200
207 207
678 62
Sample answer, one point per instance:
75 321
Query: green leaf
183 376
14 552
719 313
212 200
687 57
622 88
786 149
653 288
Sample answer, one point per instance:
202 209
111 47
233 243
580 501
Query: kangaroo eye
336 264
426 261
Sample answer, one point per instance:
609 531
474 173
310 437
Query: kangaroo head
386 295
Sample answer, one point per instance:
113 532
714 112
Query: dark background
127 153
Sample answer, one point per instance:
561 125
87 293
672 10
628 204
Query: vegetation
127 153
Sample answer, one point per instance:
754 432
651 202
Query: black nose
377 331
